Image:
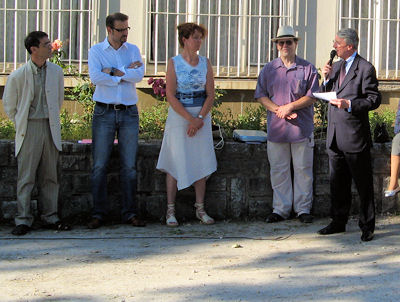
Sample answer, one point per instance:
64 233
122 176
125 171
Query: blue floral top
190 78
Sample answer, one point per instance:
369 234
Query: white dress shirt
114 89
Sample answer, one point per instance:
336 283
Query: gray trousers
288 193
37 162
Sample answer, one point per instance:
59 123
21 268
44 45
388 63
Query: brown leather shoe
137 222
95 223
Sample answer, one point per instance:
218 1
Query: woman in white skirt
187 154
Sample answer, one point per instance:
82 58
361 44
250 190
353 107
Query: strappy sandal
202 215
170 219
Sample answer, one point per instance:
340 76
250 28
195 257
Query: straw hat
285 32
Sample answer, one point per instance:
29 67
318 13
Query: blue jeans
106 123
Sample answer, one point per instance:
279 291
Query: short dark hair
33 39
115 17
185 30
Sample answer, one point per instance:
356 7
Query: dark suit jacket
360 86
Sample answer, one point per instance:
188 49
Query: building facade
239 32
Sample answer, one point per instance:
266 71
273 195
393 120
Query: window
68 20
239 32
378 25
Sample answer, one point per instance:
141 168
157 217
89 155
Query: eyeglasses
287 42
120 30
337 43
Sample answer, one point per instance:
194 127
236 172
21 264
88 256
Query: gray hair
349 35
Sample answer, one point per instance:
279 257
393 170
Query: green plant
83 94
7 130
320 119
253 118
152 121
73 127
387 117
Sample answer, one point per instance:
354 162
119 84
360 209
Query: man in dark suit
349 137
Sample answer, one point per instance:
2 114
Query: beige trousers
37 162
288 192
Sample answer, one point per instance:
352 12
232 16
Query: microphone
332 55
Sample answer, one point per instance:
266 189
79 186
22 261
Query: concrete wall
240 189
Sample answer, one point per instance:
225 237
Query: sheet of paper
326 96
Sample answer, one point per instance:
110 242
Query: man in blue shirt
115 66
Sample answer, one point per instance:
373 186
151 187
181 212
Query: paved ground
232 261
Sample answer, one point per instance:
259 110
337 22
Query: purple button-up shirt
284 85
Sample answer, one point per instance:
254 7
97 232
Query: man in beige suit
32 99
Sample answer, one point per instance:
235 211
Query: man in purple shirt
284 87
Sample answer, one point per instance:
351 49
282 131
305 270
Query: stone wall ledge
240 189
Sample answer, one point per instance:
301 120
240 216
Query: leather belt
192 95
114 106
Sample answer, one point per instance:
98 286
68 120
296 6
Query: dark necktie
342 73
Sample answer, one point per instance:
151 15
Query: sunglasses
288 43
120 30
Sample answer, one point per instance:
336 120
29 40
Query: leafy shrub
83 94
74 127
320 119
387 117
252 118
7 130
152 121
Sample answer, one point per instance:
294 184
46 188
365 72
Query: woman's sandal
202 215
170 219
390 193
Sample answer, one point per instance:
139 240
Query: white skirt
187 159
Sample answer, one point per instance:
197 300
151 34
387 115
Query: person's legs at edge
394 164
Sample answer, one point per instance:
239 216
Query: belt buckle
116 107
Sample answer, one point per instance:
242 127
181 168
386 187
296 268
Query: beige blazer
18 95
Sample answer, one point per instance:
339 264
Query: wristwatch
200 116
112 71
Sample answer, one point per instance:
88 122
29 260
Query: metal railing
378 25
239 32
73 22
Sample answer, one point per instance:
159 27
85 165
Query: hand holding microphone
332 56
328 67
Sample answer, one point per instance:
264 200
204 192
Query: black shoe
58 226
273 217
20 230
95 223
367 235
306 218
332 228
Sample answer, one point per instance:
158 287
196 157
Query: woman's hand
191 131
194 126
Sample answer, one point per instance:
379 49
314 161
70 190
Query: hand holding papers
326 96
331 97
